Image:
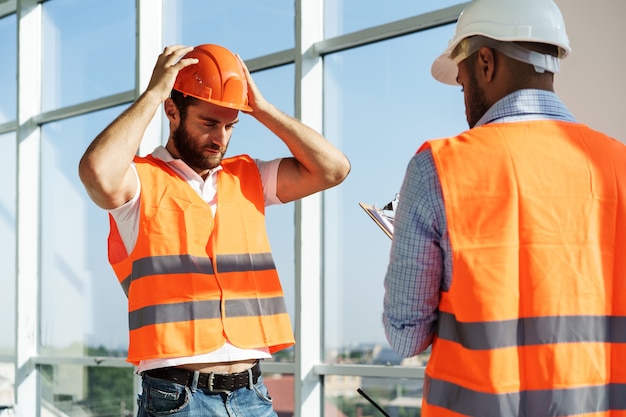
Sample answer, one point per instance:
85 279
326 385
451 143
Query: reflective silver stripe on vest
167 264
126 285
255 307
168 313
184 264
171 264
208 309
531 331
557 402
245 262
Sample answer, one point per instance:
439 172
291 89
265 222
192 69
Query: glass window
346 16
8 69
83 306
381 104
8 170
72 390
88 50
7 384
250 28
396 397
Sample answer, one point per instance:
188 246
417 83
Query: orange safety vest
195 281
534 323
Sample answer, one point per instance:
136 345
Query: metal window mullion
7 8
28 221
389 30
149 45
308 108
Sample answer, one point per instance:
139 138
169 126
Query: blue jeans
165 398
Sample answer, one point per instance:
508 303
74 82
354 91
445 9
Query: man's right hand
105 168
168 64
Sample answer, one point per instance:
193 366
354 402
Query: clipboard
384 221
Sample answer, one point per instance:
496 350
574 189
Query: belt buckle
210 385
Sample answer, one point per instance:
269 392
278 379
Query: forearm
409 318
317 163
412 285
417 269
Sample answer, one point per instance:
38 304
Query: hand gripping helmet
217 78
506 21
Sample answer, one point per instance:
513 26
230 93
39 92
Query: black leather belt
209 382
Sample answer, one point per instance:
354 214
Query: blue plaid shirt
420 264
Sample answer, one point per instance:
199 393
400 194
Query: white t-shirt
127 220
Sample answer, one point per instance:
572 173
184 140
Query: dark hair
182 102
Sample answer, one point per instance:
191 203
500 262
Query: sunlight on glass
8 195
83 306
8 69
370 396
72 390
88 50
250 28
346 16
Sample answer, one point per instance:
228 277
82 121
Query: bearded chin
192 154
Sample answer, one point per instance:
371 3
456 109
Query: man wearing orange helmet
509 239
188 241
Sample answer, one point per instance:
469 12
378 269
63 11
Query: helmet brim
234 106
444 69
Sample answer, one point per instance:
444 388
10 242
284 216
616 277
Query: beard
476 102
194 154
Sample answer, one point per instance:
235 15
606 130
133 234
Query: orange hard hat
217 78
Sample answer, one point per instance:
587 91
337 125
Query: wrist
151 97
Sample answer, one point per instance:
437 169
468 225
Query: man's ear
171 111
486 63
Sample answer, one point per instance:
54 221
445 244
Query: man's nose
221 136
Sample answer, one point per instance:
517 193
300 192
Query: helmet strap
541 62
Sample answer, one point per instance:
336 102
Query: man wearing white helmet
509 239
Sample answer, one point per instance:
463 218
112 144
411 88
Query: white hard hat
504 20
